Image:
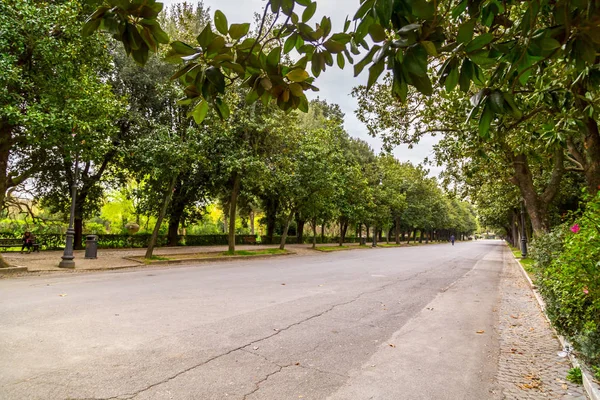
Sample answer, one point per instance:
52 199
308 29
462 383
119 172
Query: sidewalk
47 261
529 366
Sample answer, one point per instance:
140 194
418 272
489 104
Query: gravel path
529 367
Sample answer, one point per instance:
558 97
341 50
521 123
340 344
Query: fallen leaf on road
391 345
480 332
565 387
275 329
255 347
512 316
320 285
297 364
62 295
283 284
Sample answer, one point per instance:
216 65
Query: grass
390 244
254 252
328 249
527 263
215 254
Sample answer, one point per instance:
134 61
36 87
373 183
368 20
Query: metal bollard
91 247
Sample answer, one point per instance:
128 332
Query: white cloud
335 85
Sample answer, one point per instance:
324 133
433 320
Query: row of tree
78 111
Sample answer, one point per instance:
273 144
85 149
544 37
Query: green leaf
479 42
416 61
237 31
199 112
297 75
485 121
466 74
423 9
366 60
465 31
222 108
374 73
252 96
290 43
182 71
205 37
496 101
160 35
296 89
90 27
341 61
221 22
422 83
274 57
459 9
429 47
513 106
384 9
452 78
309 12
549 44
377 33
216 78
363 9
334 47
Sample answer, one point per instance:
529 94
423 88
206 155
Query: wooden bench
17 243
249 240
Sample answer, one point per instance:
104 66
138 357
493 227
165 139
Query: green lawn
254 252
527 263
334 248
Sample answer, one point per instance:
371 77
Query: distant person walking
452 239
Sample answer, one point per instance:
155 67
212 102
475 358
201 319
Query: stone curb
12 270
592 389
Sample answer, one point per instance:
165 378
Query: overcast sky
335 85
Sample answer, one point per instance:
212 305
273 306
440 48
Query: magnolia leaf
297 75
221 22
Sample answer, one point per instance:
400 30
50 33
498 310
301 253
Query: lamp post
523 235
68 257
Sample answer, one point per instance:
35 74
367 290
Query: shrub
568 275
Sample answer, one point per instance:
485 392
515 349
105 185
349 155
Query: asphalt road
389 323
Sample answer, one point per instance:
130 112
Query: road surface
388 323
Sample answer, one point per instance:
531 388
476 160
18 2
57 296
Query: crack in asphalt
130 396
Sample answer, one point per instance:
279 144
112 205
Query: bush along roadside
567 268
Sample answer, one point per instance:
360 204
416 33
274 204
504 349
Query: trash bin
91 247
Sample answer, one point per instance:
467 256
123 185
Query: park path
394 323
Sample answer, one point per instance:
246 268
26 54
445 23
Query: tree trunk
341 238
299 229
374 235
367 231
271 206
161 216
323 232
314 238
397 230
237 180
592 150
535 204
78 237
285 231
252 222
174 222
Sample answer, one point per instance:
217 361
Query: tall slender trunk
397 230
252 222
299 229
237 179
323 232
285 231
314 238
161 216
78 237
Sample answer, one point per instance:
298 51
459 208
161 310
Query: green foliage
574 375
568 271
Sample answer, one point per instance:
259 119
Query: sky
335 85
